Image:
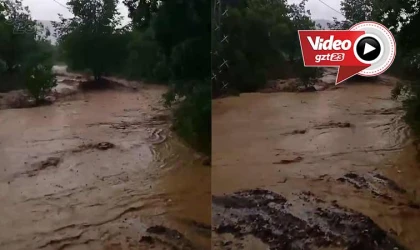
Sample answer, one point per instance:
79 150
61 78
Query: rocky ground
305 223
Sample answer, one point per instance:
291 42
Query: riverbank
68 84
325 82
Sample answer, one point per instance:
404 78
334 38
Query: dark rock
334 125
161 230
104 145
171 237
413 205
147 239
269 217
297 159
207 161
391 184
308 89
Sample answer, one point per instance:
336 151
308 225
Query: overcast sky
49 9
322 11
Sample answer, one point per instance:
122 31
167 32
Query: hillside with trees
262 44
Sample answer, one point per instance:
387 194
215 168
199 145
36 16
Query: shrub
39 81
193 115
306 74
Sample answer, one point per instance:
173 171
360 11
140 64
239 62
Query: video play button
368 48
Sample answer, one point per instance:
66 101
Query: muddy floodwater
100 170
334 169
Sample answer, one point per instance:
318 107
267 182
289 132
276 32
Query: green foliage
263 44
91 40
171 42
412 108
39 81
358 10
141 12
189 63
145 58
193 115
184 64
22 49
17 37
307 74
393 14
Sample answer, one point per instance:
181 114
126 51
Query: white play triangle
368 48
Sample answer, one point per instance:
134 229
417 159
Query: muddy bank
160 236
68 85
306 222
97 171
326 81
349 146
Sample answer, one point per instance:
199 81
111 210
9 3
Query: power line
61 4
332 8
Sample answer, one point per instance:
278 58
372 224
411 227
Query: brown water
322 136
58 190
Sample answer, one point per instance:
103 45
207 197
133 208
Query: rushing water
293 142
95 171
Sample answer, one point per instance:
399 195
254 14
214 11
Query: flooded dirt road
325 170
100 170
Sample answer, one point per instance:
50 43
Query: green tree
18 36
263 44
300 19
23 50
39 82
171 42
91 39
393 14
182 29
145 59
141 12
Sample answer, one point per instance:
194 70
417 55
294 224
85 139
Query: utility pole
219 40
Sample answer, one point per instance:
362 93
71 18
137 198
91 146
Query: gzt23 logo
334 57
